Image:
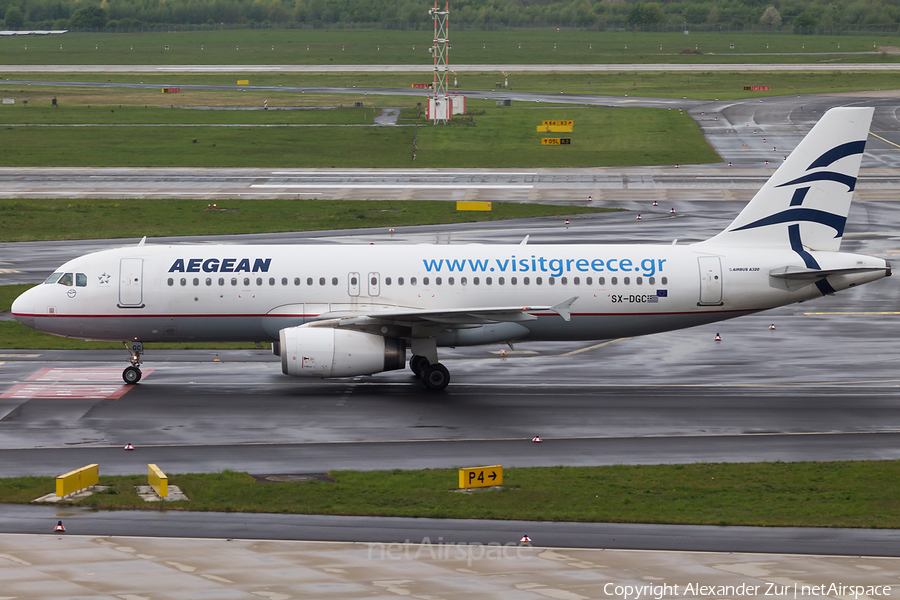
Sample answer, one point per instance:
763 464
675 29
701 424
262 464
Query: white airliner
339 311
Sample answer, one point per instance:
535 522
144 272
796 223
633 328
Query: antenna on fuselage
525 241
143 239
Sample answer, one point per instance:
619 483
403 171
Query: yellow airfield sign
555 141
481 476
554 128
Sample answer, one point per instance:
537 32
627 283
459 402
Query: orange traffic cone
59 528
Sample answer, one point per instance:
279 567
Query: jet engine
328 352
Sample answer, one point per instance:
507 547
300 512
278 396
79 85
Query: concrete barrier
77 480
158 480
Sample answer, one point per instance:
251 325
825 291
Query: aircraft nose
23 309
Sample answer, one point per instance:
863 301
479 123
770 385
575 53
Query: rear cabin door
710 280
131 282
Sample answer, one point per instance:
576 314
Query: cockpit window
54 278
80 280
65 279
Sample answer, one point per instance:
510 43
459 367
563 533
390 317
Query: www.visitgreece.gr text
555 267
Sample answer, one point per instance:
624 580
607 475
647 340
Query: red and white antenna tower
439 105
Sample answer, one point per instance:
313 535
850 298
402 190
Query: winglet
525 241
143 239
562 309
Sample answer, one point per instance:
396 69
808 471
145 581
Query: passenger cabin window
171 282
80 280
321 281
296 281
54 278
334 281
247 282
66 279
399 281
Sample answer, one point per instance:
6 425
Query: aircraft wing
472 316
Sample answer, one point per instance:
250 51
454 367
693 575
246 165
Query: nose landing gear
132 374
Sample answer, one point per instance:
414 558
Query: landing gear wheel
436 376
131 375
417 364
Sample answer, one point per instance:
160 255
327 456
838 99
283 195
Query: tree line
596 14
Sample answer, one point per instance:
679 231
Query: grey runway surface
388 530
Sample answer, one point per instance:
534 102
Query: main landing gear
132 374
434 376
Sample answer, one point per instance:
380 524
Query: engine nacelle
329 352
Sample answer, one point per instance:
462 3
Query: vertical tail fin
804 205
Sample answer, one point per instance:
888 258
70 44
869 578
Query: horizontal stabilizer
799 274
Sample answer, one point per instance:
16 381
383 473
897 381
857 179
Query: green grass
836 494
499 138
33 220
705 85
124 114
468 47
